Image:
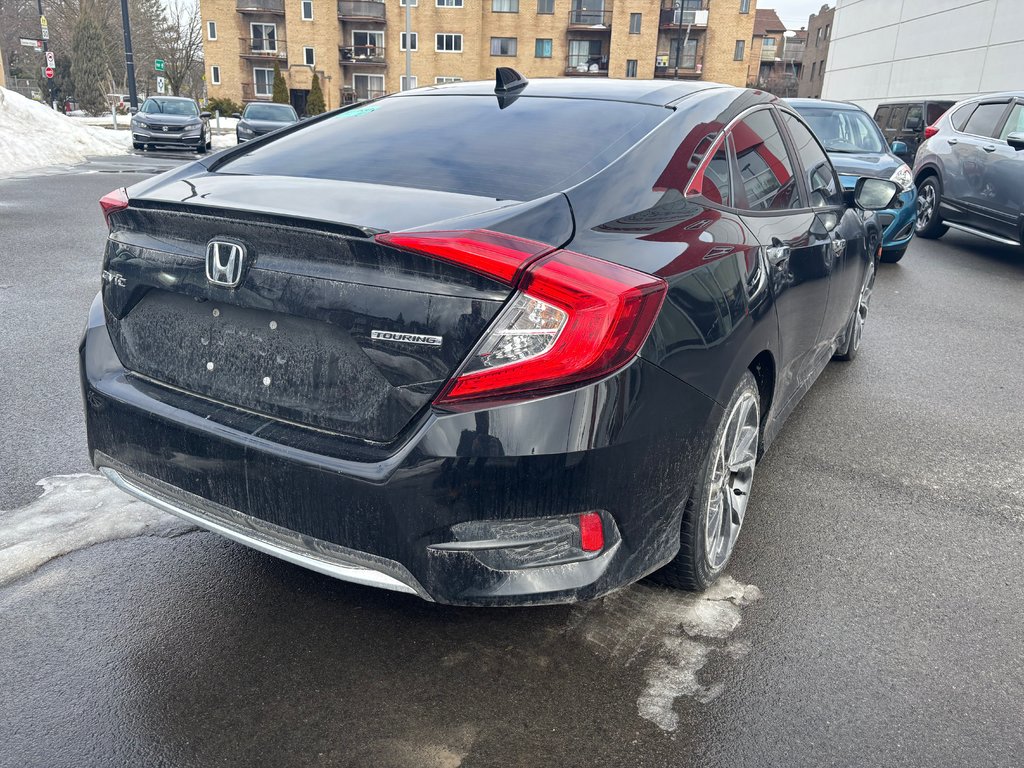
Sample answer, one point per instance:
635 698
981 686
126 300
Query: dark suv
970 171
906 120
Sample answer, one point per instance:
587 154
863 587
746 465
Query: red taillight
574 319
930 131
113 201
591 532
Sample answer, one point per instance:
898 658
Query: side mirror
900 148
134 110
204 115
1016 140
875 194
236 115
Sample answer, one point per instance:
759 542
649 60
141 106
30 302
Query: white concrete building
883 50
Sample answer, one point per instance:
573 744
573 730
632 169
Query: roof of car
822 103
656 92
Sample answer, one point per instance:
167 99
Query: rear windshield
463 144
281 113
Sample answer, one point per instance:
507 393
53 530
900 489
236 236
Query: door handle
838 246
952 141
989 148
778 255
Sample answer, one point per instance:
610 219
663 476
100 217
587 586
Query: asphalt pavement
873 616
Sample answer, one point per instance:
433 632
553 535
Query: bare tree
184 45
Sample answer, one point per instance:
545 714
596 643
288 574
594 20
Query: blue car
857 148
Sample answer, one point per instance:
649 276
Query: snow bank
74 512
34 136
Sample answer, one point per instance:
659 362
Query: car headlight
245 130
139 124
904 177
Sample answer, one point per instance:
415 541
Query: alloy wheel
925 206
732 476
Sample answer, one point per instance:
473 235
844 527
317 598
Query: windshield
181 107
844 130
463 144
280 113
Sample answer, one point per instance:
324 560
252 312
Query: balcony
769 53
262 49
249 93
592 20
260 6
689 68
686 14
586 65
361 10
362 54
351 95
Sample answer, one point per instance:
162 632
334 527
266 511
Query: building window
366 44
413 3
307 10
264 37
415 41
828 28
215 75
630 67
368 86
263 81
542 48
211 30
408 83
744 6
740 50
634 23
448 43
449 3
814 69
308 57
505 6
443 80
768 42
504 46
545 6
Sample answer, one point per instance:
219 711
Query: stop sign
49 72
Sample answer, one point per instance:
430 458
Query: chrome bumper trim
326 562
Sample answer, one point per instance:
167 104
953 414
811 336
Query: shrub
226 107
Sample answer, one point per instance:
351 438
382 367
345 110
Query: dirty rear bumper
626 447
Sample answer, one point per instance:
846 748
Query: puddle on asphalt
672 634
74 512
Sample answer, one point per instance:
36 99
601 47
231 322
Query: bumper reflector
591 532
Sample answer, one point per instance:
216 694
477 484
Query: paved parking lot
872 614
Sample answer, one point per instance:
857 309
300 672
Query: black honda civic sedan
489 345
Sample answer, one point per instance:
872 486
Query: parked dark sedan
171 121
258 119
970 170
485 345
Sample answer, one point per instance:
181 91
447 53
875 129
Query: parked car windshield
463 144
844 130
182 107
281 113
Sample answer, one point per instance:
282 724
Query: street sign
159 65
49 59
49 73
44 28
160 85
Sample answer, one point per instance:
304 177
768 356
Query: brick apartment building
819 33
357 47
775 59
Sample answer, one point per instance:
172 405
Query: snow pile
673 634
34 136
74 512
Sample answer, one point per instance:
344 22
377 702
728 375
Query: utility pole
46 47
408 43
129 62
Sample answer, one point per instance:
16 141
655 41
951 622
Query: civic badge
224 262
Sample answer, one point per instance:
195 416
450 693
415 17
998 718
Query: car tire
929 221
893 256
201 147
855 326
720 493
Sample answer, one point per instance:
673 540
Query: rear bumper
626 447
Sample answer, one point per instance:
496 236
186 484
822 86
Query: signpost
44 27
159 65
160 85
49 60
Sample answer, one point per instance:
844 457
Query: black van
906 120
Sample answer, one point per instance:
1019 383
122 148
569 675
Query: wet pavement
872 616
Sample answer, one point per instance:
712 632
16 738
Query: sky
794 13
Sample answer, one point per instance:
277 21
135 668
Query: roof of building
767 20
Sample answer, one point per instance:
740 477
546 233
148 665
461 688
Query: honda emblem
224 261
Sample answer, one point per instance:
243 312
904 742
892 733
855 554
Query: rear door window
915 118
767 180
896 118
1014 123
456 143
935 111
959 118
985 119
